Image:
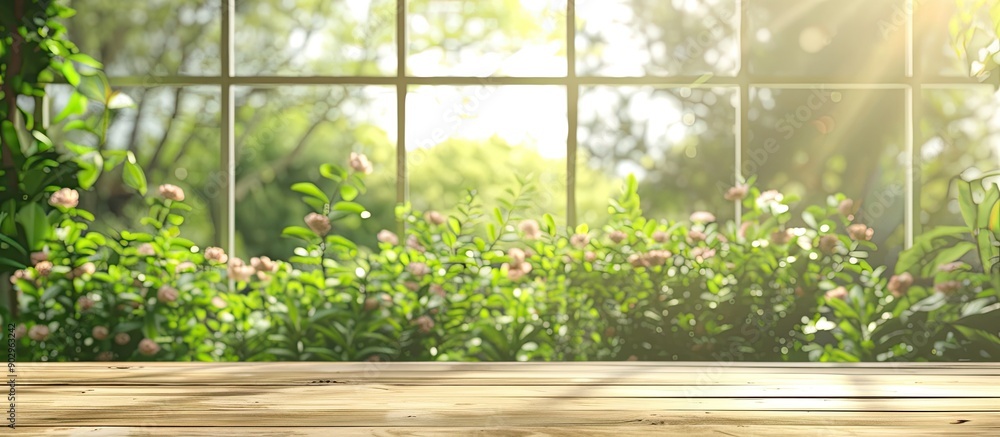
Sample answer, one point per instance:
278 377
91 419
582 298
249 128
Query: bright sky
532 116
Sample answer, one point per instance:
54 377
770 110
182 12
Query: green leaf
348 192
36 225
550 223
299 232
133 175
17 246
332 172
76 104
966 203
455 225
582 228
91 165
85 60
70 73
352 207
310 189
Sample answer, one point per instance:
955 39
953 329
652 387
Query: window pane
158 37
484 138
657 37
679 142
960 135
341 38
284 134
174 134
815 142
850 38
933 41
486 38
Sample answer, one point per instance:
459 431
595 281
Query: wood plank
626 430
533 415
507 398
984 389
452 374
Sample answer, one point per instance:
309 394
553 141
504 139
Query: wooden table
565 399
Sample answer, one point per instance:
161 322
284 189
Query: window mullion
572 100
227 143
743 78
402 182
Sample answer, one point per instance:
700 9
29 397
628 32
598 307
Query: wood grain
519 399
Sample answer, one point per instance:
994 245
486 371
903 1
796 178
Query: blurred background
679 140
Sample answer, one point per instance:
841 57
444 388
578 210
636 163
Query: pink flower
219 302
360 163
65 197
828 244
859 231
530 229
146 249
172 192
900 284
263 264
579 240
105 356
649 259
39 333
166 294
37 257
702 217
43 268
617 236
696 236
239 271
948 287
20 331
371 304
186 266
411 285
702 253
769 198
951 267
148 347
435 218
590 256
739 192
87 268
99 333
318 223
85 303
658 257
638 260
518 272
122 338
660 236
437 289
388 237
216 255
837 293
418 269
517 256
424 324
846 207
413 243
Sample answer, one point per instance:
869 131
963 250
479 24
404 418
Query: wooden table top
522 399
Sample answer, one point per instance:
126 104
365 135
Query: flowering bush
498 285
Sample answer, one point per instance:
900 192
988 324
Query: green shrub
492 284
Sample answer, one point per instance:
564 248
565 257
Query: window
240 98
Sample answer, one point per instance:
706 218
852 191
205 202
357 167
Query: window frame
912 82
